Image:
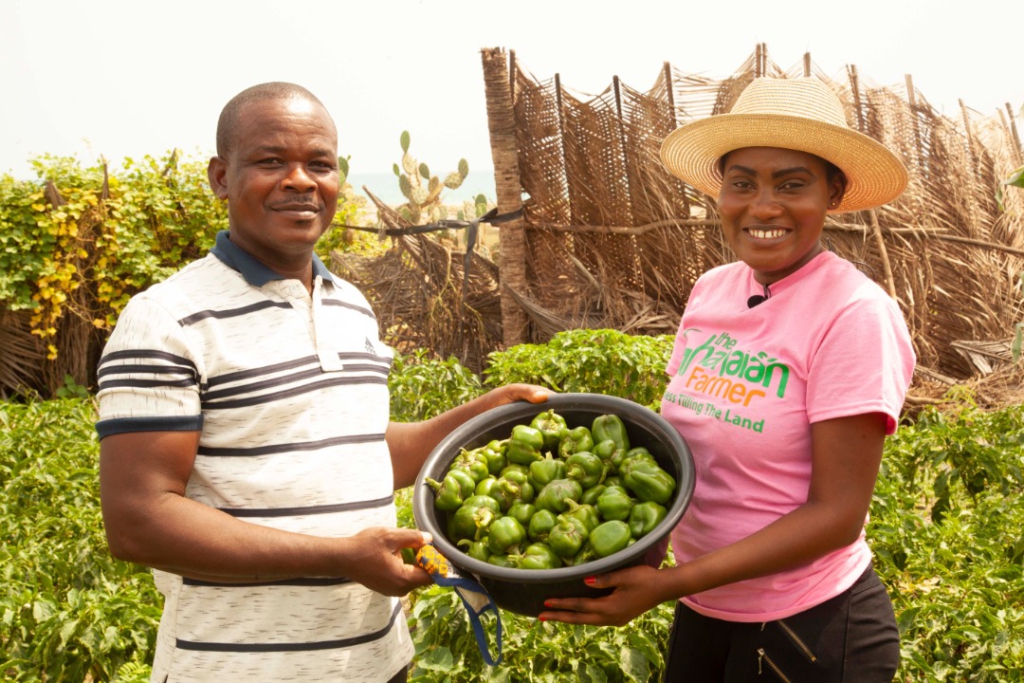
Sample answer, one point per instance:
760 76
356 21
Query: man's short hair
275 90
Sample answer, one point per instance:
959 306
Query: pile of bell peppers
551 495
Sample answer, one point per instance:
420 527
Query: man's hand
373 557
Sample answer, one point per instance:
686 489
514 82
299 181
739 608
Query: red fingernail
542 618
590 580
547 603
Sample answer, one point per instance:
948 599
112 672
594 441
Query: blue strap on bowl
475 597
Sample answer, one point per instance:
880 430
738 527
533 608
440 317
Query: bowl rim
646 417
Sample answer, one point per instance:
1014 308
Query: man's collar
255 272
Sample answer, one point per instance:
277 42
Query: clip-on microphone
758 298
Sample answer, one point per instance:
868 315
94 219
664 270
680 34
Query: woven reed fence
611 239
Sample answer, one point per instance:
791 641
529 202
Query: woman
789 369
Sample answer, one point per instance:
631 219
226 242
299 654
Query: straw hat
795 113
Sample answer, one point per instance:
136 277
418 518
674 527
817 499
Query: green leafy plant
945 527
599 361
68 610
446 649
81 240
422 387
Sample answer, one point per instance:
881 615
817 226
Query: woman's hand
635 591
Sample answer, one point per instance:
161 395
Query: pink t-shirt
745 386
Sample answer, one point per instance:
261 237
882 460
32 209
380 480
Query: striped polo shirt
289 393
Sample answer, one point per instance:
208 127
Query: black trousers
851 638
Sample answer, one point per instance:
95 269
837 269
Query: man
246 452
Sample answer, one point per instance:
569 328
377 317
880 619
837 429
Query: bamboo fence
610 239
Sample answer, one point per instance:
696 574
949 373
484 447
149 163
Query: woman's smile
773 204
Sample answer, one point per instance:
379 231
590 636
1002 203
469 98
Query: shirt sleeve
864 363
149 374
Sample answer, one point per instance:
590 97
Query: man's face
280 179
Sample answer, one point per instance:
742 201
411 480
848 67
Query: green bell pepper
590 496
512 467
485 486
541 524
609 538
543 472
634 456
650 483
523 512
567 537
508 492
578 439
469 522
610 427
505 535
585 554
525 445
478 550
494 454
586 468
473 463
526 489
552 426
539 556
610 453
475 501
615 503
500 560
553 497
614 480
644 517
450 494
585 513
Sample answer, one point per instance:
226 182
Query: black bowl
524 590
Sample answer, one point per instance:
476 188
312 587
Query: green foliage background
112 233
947 528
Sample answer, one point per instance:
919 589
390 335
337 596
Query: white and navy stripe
290 395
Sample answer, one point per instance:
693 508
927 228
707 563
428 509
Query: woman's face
773 204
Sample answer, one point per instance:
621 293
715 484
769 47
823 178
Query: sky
125 79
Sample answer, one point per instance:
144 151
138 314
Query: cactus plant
422 190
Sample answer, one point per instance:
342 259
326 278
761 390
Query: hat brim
874 175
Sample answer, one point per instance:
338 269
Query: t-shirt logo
369 346
724 382
717 360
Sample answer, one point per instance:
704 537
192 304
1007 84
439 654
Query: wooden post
512 75
876 228
919 152
890 283
561 142
623 147
501 124
807 64
672 96
855 87
972 157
